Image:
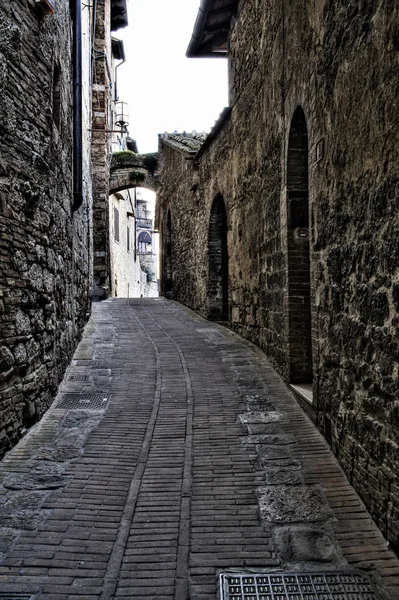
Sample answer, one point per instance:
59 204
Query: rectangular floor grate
297 586
14 596
83 401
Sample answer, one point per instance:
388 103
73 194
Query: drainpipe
116 78
77 108
93 40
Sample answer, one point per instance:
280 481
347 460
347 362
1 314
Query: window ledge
304 390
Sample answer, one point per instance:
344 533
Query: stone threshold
304 390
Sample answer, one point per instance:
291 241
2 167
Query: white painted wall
128 280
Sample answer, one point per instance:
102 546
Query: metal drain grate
77 378
297 586
14 596
83 401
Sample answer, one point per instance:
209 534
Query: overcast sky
165 90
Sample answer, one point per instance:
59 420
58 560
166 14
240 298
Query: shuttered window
116 224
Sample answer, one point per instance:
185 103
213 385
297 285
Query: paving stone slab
269 439
7 538
260 417
22 510
292 464
81 418
44 476
288 504
304 545
61 454
282 477
267 453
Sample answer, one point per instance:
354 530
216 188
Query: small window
128 238
116 224
135 241
57 96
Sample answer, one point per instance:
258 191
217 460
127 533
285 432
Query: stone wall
336 62
44 247
101 149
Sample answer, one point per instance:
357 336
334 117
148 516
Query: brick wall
101 149
335 60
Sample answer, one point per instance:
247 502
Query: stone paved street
173 453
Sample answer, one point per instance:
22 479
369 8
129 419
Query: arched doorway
300 340
144 243
168 270
218 276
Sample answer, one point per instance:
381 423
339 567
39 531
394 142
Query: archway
300 339
218 276
168 268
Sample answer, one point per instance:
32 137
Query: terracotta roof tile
188 142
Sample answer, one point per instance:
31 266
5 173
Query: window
144 243
128 238
116 224
57 96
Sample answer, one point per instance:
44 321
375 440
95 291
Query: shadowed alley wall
44 246
336 62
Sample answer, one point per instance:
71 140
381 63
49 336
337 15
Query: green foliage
136 176
120 159
150 161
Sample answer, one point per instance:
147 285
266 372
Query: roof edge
196 47
198 27
223 118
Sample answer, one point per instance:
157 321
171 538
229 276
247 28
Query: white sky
165 90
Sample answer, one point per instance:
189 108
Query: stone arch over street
218 262
299 303
129 170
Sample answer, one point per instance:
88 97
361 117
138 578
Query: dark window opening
57 96
116 224
168 269
299 306
218 277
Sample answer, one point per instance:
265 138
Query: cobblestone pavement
174 453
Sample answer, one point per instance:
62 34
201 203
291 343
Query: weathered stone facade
45 246
111 15
305 168
101 148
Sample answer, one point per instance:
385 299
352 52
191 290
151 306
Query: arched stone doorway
218 275
300 339
168 267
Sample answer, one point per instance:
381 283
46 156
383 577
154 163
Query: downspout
93 40
77 108
116 78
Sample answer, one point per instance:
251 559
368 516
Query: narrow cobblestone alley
174 462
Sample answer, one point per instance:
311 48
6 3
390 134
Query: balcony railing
147 223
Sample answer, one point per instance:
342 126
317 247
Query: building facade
133 246
45 209
111 15
52 56
284 222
